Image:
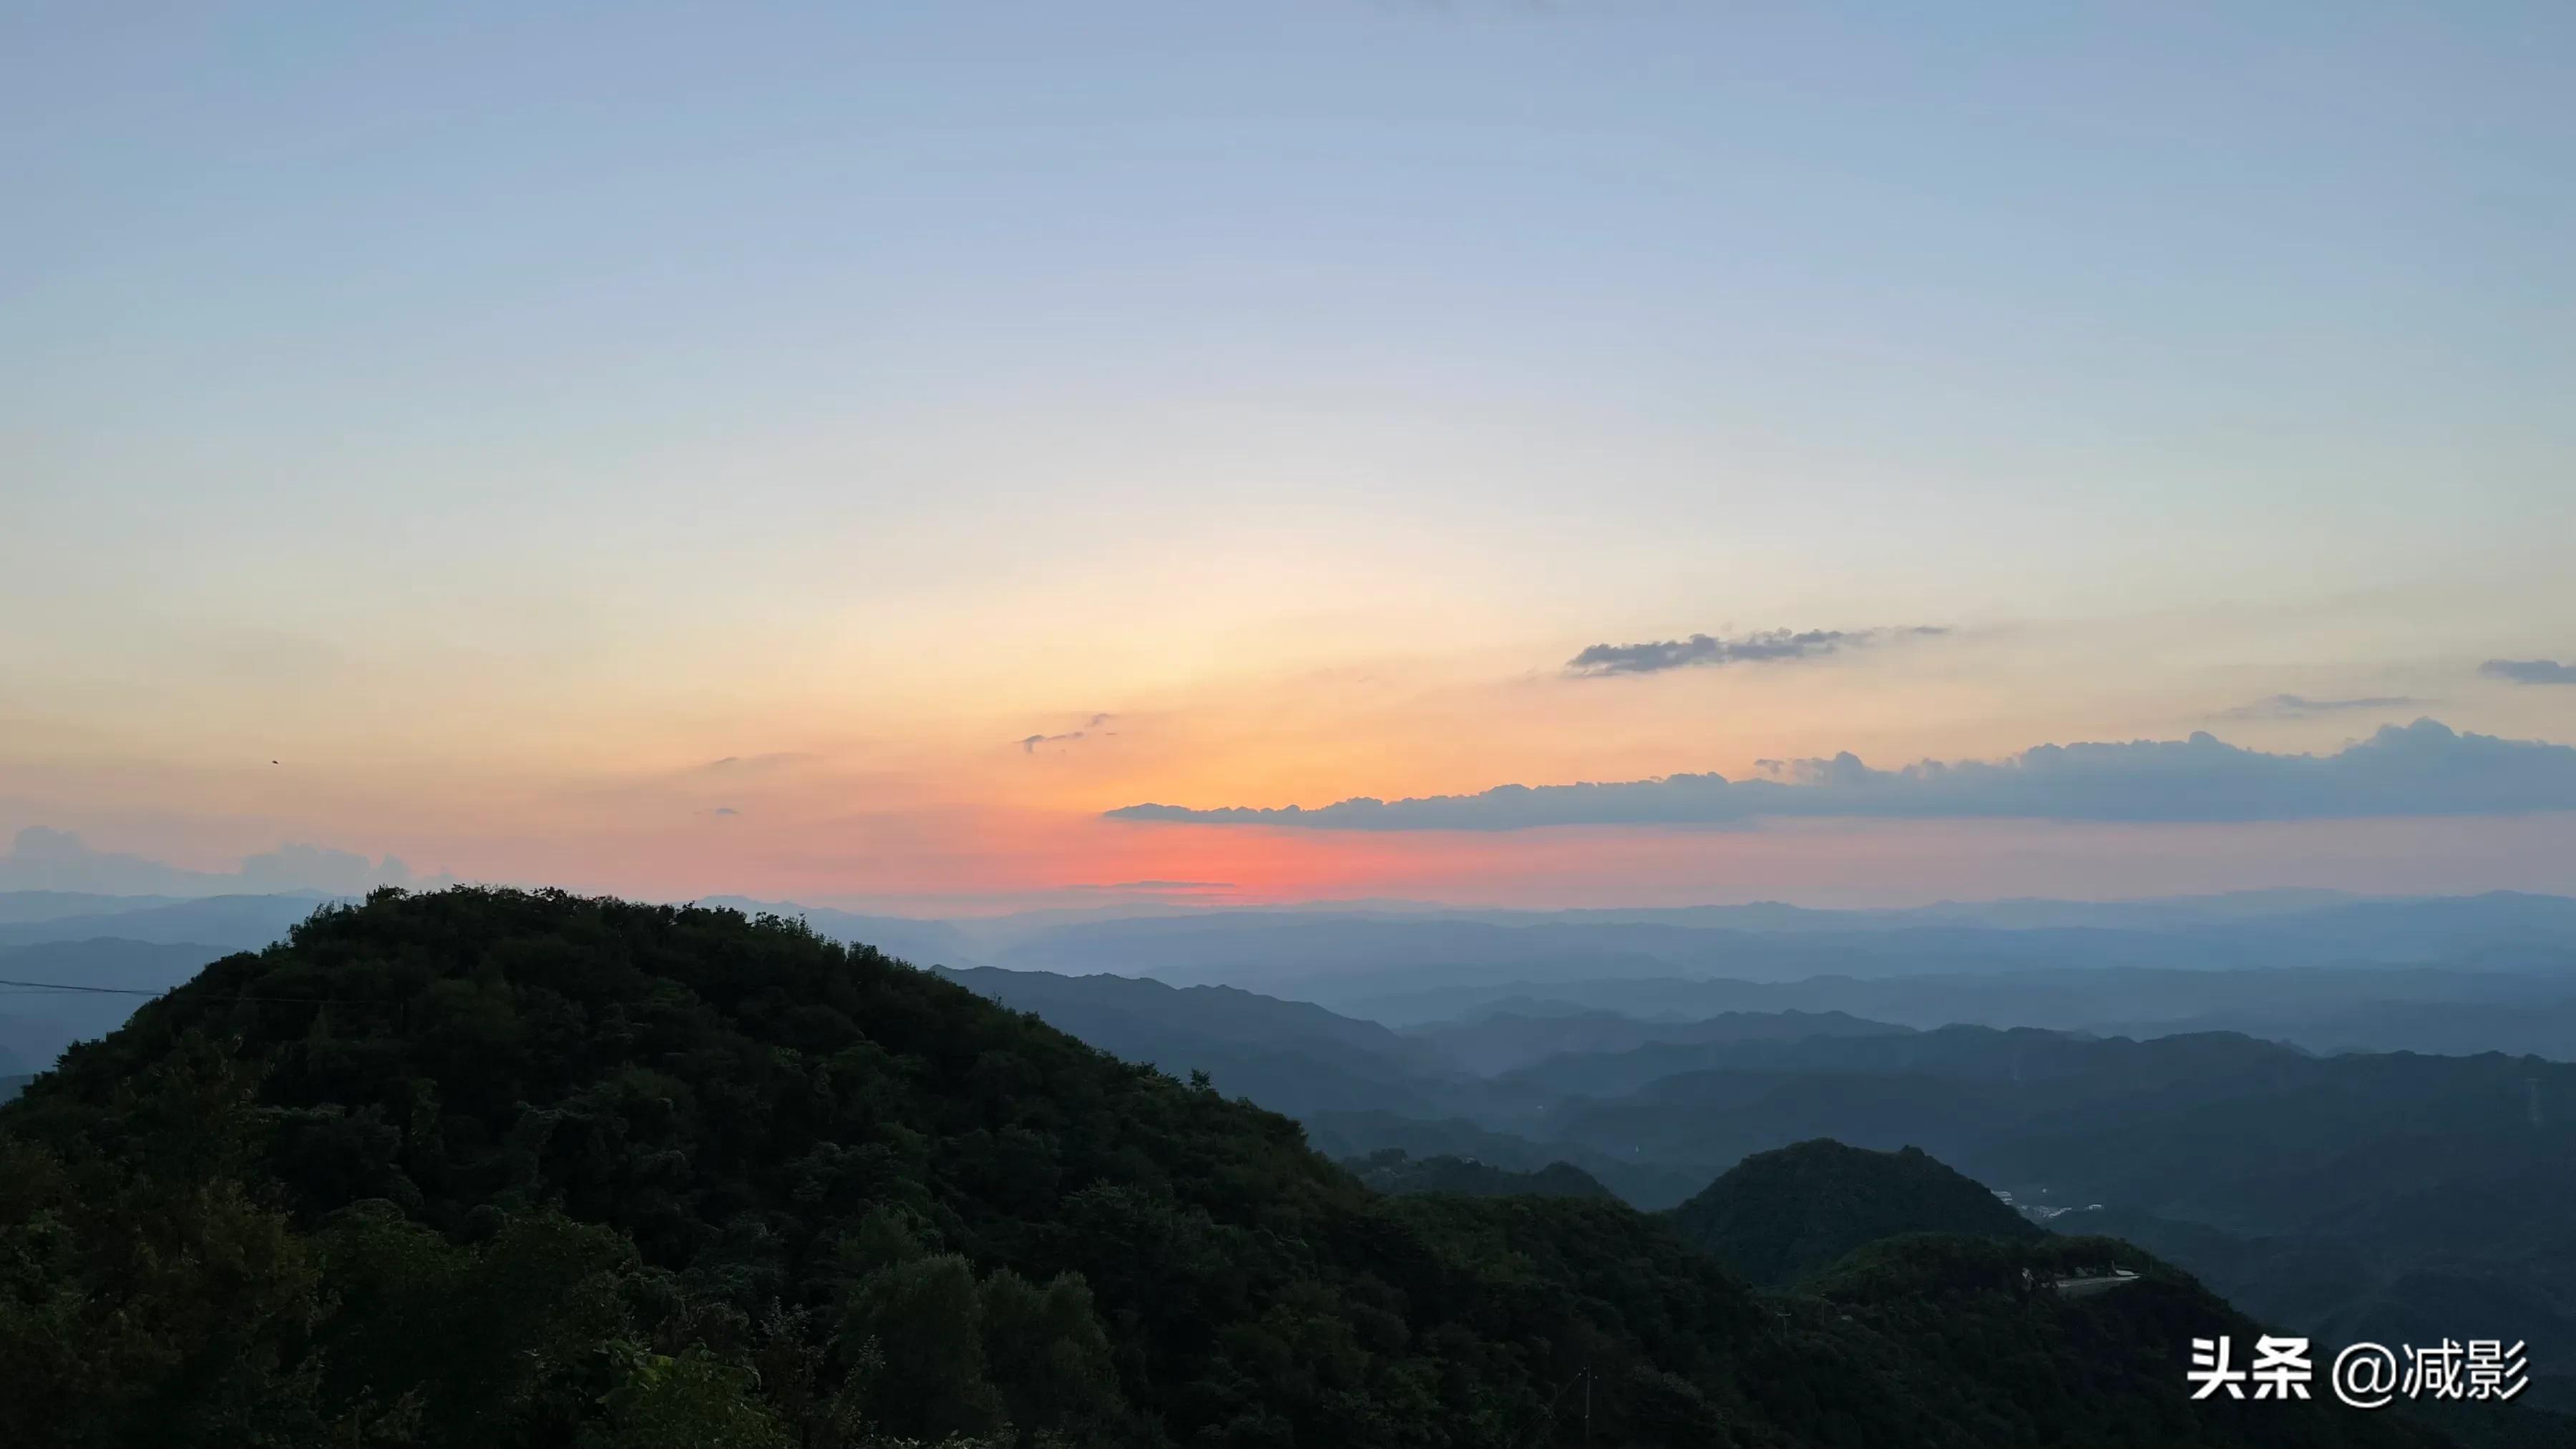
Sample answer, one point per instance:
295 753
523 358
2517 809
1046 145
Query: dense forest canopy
1782 1215
502 1168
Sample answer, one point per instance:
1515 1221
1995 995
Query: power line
137 991
67 986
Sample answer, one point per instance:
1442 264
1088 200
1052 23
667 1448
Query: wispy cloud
1029 743
737 765
1700 651
2299 706
2420 769
2529 671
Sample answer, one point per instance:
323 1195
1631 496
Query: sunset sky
847 452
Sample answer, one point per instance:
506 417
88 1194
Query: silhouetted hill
1346 1135
1391 1170
493 1168
1782 1215
1289 1056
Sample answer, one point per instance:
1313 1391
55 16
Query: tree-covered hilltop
1779 1216
493 1168
1393 1170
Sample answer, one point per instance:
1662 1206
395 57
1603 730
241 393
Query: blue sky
540 405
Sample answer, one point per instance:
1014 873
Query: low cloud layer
44 859
1703 651
2424 768
2299 706
2529 671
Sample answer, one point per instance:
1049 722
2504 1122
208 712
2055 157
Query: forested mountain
1347 1135
1783 1215
1289 1056
492 1168
1392 1170
1498 990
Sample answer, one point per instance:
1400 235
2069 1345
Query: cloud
1170 885
1029 743
1767 646
2299 706
57 860
755 764
724 810
2420 769
2529 671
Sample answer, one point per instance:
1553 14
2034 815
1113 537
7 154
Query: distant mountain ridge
1498 1042
237 923
1291 1056
36 1025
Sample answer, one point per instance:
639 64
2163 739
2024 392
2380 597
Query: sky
953 456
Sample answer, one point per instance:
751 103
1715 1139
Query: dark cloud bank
1701 651
2299 706
2420 769
2529 671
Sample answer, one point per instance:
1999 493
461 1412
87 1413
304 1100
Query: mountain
18 906
1391 1170
924 943
2333 1193
2105 1000
1782 1215
1289 1056
1347 1136
235 923
2539 1027
35 1025
1212 1013
496 1168
1341 961
1498 1041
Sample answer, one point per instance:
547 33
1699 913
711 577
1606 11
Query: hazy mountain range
2355 1116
